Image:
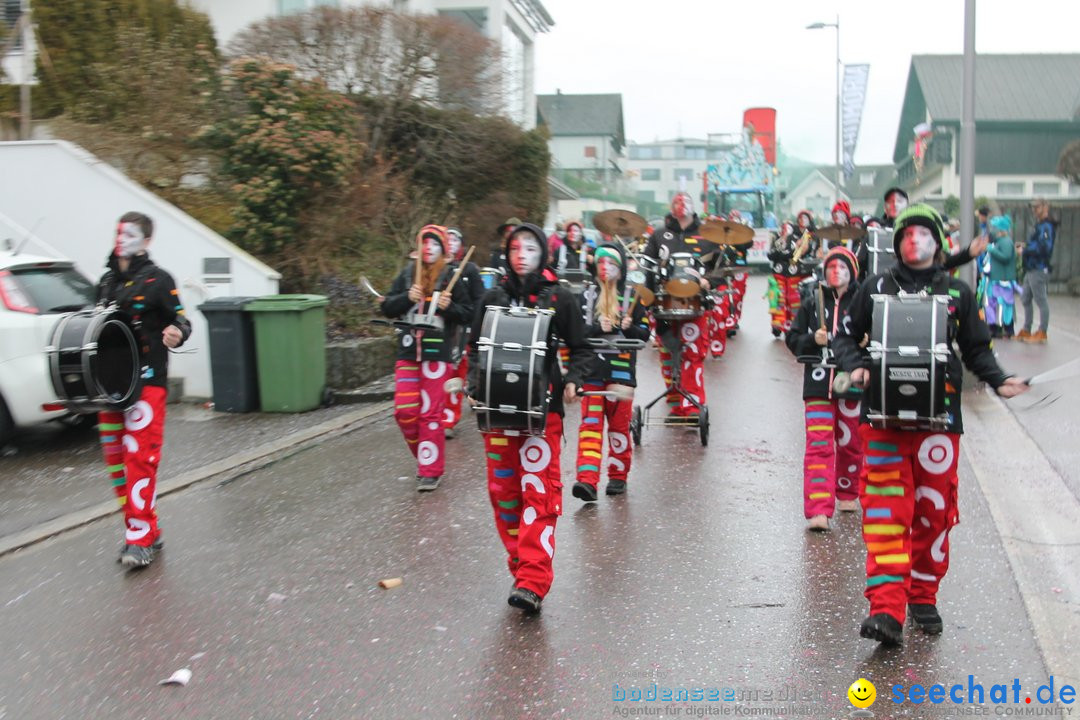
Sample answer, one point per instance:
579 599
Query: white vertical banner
854 97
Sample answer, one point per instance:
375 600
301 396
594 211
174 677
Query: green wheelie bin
290 350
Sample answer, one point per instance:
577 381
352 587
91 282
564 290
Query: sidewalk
53 479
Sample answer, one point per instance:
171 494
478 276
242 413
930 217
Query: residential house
587 140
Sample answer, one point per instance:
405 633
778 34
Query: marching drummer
833 458
908 486
785 256
419 298
523 473
678 235
474 286
618 315
132 440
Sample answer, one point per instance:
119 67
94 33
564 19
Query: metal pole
839 69
967 131
28 75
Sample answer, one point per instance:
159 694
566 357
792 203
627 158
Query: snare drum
490 277
879 246
909 352
670 307
514 384
681 275
94 361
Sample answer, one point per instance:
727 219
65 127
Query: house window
644 152
1046 188
9 15
684 173
1074 189
694 153
1010 188
590 151
646 195
866 179
217 266
652 174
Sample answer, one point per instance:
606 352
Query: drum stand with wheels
640 418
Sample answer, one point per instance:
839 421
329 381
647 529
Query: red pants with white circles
454 401
525 488
739 284
419 397
694 337
594 412
131 441
833 460
908 495
719 320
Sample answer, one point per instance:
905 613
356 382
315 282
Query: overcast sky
690 67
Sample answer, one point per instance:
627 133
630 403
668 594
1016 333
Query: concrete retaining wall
358 362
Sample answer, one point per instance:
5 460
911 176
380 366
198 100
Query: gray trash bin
233 368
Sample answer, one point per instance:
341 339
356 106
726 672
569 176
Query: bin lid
284 303
222 304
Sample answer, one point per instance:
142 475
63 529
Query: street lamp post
836 136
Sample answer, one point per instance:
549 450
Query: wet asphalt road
702 575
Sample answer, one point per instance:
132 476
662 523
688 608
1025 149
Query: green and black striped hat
918 214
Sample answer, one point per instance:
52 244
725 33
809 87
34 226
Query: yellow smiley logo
862 693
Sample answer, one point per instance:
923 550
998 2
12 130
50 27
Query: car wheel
7 425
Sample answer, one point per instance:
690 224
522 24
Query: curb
223 471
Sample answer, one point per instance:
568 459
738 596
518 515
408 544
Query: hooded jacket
617 367
677 240
149 295
539 289
817 381
1040 246
966 329
432 345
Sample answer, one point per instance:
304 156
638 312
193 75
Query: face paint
917 245
453 242
840 217
837 274
524 254
130 240
804 222
432 250
786 229
573 234
682 206
608 270
895 204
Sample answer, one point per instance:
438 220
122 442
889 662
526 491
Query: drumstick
461 269
369 287
821 306
1061 372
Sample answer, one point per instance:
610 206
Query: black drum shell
509 376
94 361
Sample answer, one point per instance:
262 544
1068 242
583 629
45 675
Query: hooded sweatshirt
539 289
614 366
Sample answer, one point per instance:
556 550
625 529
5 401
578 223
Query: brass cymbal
622 223
837 233
725 232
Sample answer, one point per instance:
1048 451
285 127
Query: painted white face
573 234
524 254
453 242
804 222
917 245
130 240
432 250
895 204
839 217
682 206
608 270
837 274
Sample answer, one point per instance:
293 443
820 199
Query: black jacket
966 329
617 367
539 289
817 381
149 295
676 240
435 345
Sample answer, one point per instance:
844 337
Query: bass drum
513 384
94 361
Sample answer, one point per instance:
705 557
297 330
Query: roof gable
582 115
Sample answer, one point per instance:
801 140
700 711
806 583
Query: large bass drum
909 353
94 361
513 384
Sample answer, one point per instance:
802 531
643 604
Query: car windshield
53 289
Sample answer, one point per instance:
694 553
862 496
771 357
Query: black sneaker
776 332
615 487
427 484
584 491
157 545
525 600
732 332
883 628
926 617
137 556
